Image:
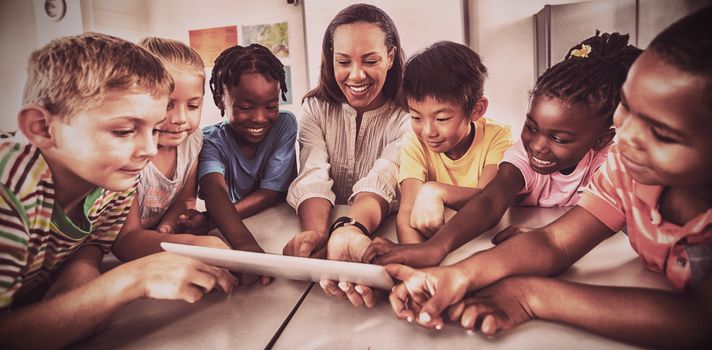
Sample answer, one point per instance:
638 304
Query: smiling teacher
350 135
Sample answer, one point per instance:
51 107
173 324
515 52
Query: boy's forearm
470 222
526 254
456 197
483 210
645 317
79 270
223 213
139 243
257 201
405 233
231 226
45 324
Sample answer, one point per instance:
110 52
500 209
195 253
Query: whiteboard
419 22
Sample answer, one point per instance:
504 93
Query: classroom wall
410 18
502 32
174 18
17 45
24 28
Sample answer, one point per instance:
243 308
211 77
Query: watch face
55 9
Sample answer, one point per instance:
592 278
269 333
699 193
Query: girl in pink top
656 182
566 135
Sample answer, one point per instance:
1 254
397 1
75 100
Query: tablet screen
290 267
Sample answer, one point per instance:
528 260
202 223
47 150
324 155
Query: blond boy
90 107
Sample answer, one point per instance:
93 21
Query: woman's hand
348 243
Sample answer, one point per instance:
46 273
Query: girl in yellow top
453 152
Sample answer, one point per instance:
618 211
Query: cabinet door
568 24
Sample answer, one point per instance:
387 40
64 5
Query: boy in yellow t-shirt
453 152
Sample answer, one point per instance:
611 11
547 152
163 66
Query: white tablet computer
290 267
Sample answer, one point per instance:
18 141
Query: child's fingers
479 317
400 272
191 293
427 320
454 311
165 229
367 294
430 311
248 279
351 294
490 325
288 248
330 288
470 314
205 280
224 278
434 226
376 249
305 248
397 299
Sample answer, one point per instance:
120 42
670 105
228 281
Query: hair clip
582 52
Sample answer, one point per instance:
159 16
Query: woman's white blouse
336 163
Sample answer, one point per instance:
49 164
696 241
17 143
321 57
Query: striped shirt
36 236
337 163
682 253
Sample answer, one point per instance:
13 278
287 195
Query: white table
324 322
247 318
251 317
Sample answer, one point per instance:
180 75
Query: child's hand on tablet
424 254
246 278
307 244
424 294
170 276
501 306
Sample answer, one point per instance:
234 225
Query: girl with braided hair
247 161
565 139
655 183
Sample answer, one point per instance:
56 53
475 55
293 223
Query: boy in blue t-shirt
248 161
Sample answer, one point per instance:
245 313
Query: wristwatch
347 221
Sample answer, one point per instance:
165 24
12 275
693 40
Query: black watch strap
347 221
